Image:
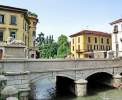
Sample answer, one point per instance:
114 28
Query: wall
23 32
119 37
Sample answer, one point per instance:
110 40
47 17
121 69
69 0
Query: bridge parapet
23 65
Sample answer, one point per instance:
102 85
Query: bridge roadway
21 72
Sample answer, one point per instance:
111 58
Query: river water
45 90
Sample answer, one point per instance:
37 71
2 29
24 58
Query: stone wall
20 72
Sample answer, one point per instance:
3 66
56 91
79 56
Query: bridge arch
99 80
63 81
64 85
86 73
99 73
35 77
51 75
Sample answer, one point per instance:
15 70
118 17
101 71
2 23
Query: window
97 47
91 47
25 27
32 55
34 23
34 35
94 47
34 43
109 47
101 47
78 47
78 55
78 39
73 48
88 47
1 35
25 40
101 40
72 41
115 29
89 39
1 19
107 41
95 40
13 34
13 20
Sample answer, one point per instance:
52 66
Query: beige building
20 24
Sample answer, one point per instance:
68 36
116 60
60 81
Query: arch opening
98 82
121 73
64 86
43 88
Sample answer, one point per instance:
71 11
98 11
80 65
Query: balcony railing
81 50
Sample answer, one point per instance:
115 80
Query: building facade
20 24
85 42
117 37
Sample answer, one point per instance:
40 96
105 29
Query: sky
67 17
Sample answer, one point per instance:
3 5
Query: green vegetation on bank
48 48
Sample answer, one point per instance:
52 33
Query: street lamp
115 31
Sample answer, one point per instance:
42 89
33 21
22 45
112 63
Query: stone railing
3 43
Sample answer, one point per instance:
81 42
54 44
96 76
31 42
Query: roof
15 9
3 7
91 32
116 21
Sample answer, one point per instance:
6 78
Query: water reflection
45 90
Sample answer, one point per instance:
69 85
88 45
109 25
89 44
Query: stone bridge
21 72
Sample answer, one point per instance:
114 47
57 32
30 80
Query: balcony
80 50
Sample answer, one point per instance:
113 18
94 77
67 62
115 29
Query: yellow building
20 24
85 42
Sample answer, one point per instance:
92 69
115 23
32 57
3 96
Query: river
45 90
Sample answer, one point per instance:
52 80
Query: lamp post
115 31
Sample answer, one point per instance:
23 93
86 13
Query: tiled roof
3 7
91 32
116 21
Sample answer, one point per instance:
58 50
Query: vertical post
81 87
117 80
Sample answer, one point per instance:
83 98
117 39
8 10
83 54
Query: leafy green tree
63 49
40 39
53 49
51 39
45 53
47 46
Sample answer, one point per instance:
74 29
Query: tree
47 46
63 49
40 39
53 49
